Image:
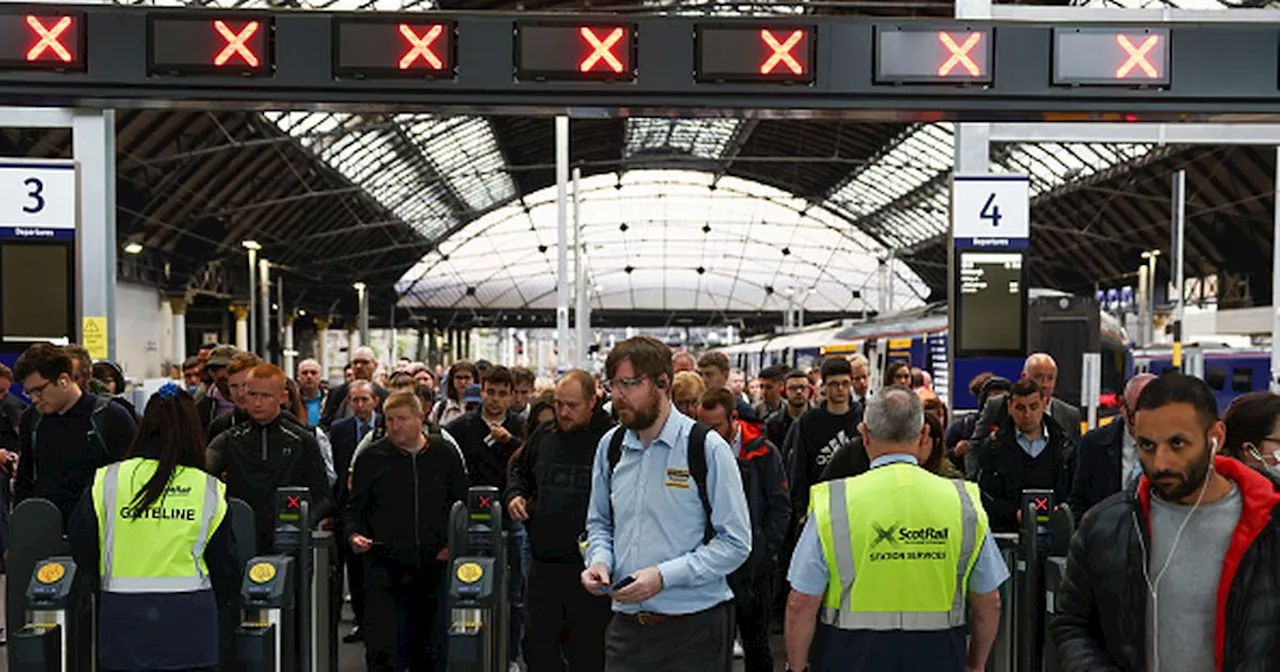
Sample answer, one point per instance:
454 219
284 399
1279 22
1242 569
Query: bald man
363 365
1107 458
309 377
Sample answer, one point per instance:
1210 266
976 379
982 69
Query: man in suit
363 365
1107 459
1040 367
345 435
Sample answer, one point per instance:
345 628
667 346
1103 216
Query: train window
1216 377
1241 380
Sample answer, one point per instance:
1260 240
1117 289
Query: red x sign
1137 56
237 44
782 52
294 502
959 54
601 50
420 47
50 39
1042 503
484 502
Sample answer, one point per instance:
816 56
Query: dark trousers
565 623
354 565
700 642
753 606
401 609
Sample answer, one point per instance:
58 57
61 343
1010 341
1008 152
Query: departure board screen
990 304
35 311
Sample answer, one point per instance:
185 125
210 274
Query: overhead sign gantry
80 54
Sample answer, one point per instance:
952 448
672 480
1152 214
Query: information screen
210 45
42 41
990 304
755 53
393 48
930 56
575 51
1111 56
35 311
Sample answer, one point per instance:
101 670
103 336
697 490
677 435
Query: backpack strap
697 469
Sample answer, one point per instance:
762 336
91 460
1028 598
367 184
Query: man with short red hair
260 456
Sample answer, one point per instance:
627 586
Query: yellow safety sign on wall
469 572
262 572
94 330
51 573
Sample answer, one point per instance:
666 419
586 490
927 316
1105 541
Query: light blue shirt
1036 446
658 518
808 572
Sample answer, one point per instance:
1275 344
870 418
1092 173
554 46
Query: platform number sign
990 211
39 199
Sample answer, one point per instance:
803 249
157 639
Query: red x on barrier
50 39
484 502
601 49
782 52
1042 503
236 44
420 47
293 503
959 54
1137 56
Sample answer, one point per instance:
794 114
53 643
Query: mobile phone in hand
622 584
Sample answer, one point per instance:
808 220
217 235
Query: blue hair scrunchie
168 391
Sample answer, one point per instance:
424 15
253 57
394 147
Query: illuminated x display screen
43 41
575 51
389 48
746 53
1111 56
210 45
926 55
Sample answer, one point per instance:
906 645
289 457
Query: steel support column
264 308
562 242
1275 283
1177 243
93 145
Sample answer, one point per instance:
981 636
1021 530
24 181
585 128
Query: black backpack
697 469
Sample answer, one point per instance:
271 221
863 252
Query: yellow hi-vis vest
899 543
162 549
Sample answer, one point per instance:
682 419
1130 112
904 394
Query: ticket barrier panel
1037 507
44 642
1004 651
479 609
286 620
34 535
1062 524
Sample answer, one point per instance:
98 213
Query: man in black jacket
764 483
363 365
345 435
268 453
1030 450
795 396
1179 573
1107 457
548 489
398 518
816 436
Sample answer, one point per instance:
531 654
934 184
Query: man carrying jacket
548 490
769 505
1030 450
267 453
1179 573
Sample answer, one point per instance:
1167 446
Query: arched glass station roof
664 240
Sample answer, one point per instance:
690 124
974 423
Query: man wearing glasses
653 545
820 432
363 364
68 434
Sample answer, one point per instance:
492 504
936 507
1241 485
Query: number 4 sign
990 211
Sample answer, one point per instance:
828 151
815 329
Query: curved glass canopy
665 240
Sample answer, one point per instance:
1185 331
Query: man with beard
664 528
1179 574
548 490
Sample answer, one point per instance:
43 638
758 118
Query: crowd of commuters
668 514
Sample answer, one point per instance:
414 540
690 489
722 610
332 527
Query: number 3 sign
38 199
990 211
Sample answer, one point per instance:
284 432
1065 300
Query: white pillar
1179 225
562 242
178 304
241 312
322 348
288 356
264 309
1275 286
93 134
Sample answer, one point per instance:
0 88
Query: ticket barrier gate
1020 641
44 643
286 624
479 608
1062 524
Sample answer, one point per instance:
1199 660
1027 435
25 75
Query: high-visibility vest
899 543
160 550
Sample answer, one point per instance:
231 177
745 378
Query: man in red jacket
1181 573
